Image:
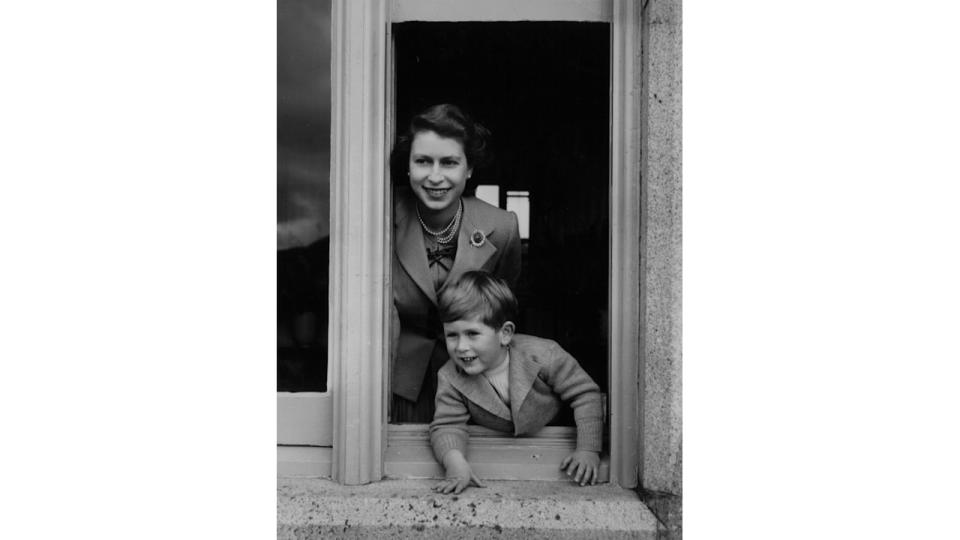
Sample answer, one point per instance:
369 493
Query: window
362 128
303 234
542 88
303 193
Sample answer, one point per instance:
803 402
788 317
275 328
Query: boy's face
476 347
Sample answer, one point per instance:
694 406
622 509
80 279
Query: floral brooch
477 238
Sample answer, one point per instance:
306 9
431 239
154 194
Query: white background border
820 269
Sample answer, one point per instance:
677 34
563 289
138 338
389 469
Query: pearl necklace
445 235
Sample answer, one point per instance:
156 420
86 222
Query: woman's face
438 171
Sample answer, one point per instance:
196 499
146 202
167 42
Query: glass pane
303 193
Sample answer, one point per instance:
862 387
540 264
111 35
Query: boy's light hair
478 294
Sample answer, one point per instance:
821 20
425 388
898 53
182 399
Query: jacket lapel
469 256
523 372
410 249
479 391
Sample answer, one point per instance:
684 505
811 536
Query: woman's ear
506 333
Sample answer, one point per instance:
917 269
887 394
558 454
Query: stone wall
661 444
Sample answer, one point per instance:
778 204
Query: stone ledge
315 508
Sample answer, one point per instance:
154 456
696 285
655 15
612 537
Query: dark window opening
542 88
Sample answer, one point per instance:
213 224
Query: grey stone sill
315 508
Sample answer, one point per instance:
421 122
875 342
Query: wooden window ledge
492 455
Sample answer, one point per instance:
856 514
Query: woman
438 235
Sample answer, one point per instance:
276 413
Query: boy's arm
575 387
569 381
448 437
448 431
459 474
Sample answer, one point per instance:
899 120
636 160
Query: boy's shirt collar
499 378
500 368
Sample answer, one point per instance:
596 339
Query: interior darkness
542 88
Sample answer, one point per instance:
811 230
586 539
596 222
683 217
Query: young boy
505 381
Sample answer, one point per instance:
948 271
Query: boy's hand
583 466
459 474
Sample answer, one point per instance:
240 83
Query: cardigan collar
412 252
476 388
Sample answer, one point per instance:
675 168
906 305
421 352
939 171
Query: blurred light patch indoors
490 194
519 203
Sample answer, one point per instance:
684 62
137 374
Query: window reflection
303 193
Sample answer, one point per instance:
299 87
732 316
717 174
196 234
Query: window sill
313 508
492 455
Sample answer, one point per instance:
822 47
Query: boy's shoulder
534 346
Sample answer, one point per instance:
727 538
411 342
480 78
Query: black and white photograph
564 269
478 236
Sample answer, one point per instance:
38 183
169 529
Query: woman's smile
436 193
438 174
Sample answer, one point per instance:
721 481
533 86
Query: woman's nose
435 175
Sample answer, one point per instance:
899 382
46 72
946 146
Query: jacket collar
409 246
523 372
411 250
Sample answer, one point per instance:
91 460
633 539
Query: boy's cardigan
542 377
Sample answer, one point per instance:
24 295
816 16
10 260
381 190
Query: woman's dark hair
449 121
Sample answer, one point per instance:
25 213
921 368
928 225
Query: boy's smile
476 347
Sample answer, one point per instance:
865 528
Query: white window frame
342 433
